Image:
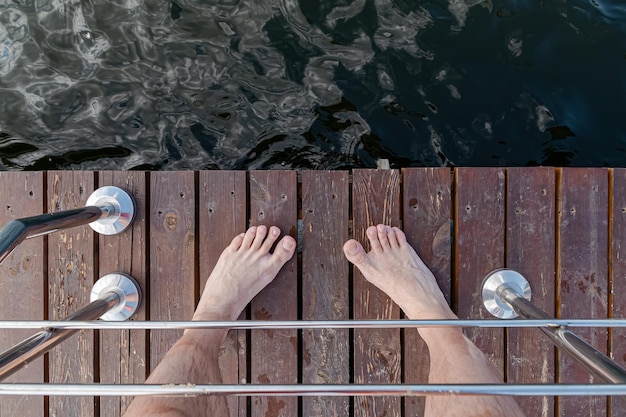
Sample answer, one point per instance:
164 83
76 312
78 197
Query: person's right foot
393 266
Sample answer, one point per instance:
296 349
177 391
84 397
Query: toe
393 239
354 252
273 234
248 237
400 236
372 236
284 250
382 236
259 237
237 241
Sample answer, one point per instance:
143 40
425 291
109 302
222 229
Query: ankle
437 312
214 313
203 339
441 337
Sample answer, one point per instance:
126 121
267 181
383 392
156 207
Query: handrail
109 210
114 297
306 324
506 294
307 390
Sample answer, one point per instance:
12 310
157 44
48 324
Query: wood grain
531 217
377 352
70 277
480 238
274 357
551 225
172 256
122 356
22 283
426 220
223 205
583 272
325 288
616 279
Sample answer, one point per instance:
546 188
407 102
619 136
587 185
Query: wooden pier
564 229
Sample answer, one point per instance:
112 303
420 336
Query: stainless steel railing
307 390
506 294
316 389
109 210
114 297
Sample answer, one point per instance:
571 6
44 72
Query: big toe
284 250
354 252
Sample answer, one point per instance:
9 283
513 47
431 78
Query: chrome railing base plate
494 283
124 210
126 288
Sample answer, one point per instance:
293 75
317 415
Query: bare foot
393 266
244 268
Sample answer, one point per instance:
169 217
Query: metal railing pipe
109 210
30 349
115 297
307 390
14 232
306 324
594 361
511 293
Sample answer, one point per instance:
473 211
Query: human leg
393 266
244 268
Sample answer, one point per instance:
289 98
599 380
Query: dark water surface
150 84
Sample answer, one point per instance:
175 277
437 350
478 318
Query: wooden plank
325 287
172 255
583 272
123 352
530 244
71 278
223 206
377 354
480 232
427 224
22 283
618 272
274 359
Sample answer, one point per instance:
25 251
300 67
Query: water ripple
190 84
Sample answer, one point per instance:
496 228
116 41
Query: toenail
288 244
353 248
275 231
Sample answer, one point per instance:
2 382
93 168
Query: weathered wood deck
562 228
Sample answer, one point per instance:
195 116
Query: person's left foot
244 268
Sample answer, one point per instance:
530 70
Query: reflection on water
189 84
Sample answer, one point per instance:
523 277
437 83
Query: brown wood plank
22 283
71 278
618 272
583 272
223 206
123 352
427 224
325 287
531 194
377 354
274 359
480 231
172 256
